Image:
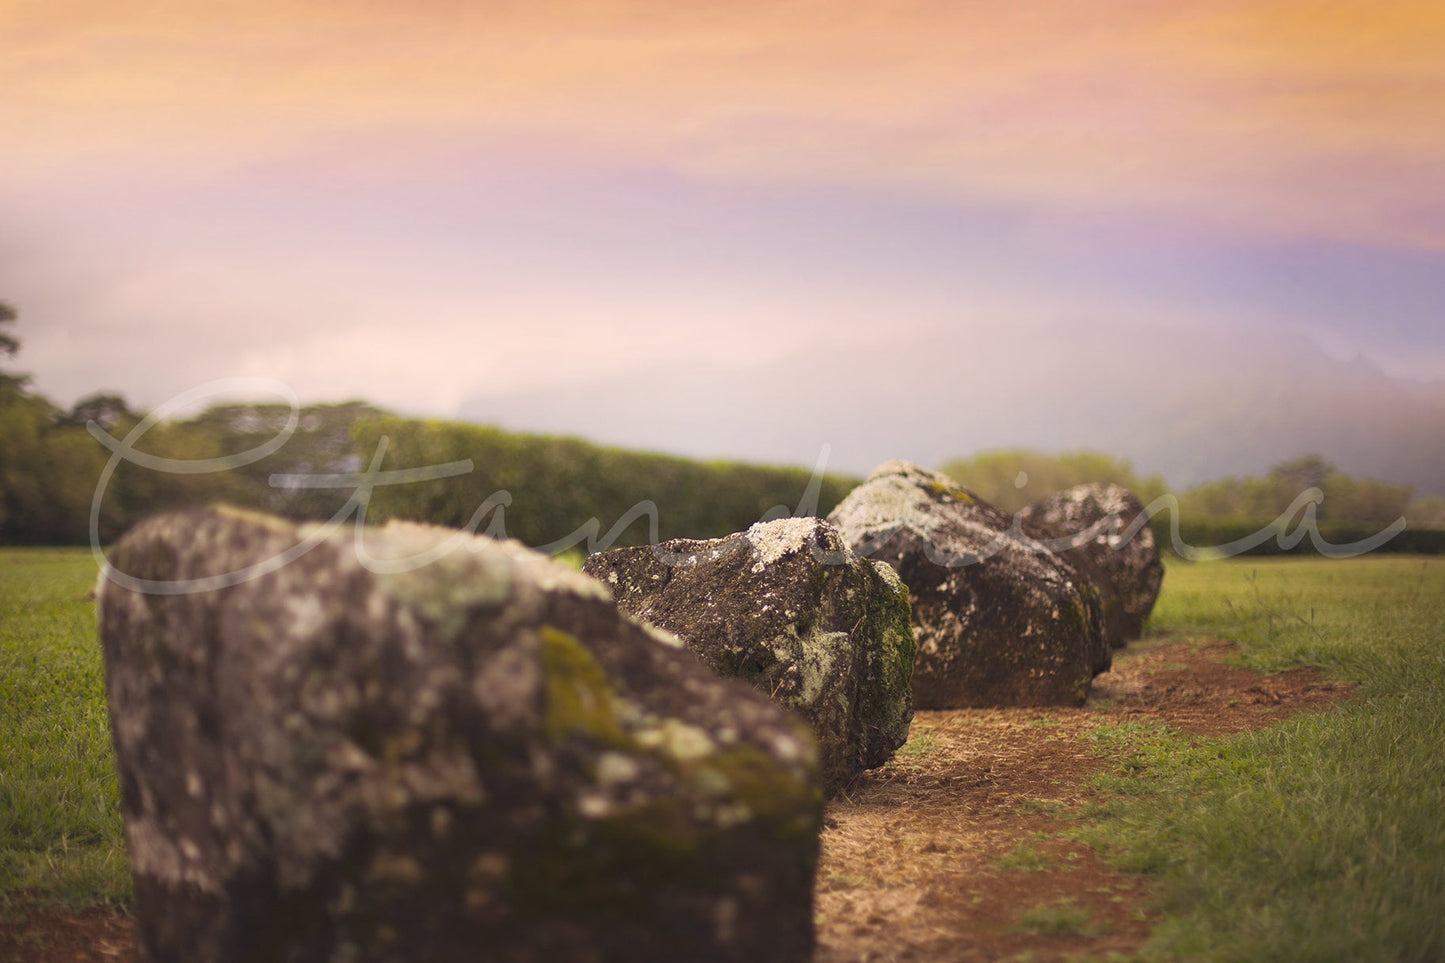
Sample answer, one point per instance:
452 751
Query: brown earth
955 851
53 936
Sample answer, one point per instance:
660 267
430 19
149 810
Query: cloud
1193 405
416 202
1280 118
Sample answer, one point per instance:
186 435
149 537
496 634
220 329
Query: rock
1118 549
1000 620
786 607
355 757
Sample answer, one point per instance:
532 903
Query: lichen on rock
349 759
1102 530
786 607
999 619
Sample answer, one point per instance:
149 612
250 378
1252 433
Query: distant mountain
1190 405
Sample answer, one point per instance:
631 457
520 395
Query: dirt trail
949 853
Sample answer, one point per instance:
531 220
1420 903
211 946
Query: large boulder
786 607
344 754
1103 529
1000 620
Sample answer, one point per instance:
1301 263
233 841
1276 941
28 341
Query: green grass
1064 918
921 744
61 839
1024 856
1321 837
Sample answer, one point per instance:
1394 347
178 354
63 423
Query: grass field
60 828
1321 838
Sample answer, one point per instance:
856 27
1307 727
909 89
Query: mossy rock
787 608
999 619
368 758
1102 530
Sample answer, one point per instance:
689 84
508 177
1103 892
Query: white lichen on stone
685 743
660 636
825 658
771 541
888 501
305 614
886 572
156 853
593 806
443 573
788 748
614 767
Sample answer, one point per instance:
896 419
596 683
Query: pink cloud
1270 117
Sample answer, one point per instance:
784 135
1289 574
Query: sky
452 208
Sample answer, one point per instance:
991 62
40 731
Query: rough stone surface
1000 620
1114 545
786 607
351 758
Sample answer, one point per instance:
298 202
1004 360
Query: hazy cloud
1279 117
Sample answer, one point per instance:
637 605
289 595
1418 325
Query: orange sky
1280 118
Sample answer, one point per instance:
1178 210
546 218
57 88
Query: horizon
202 400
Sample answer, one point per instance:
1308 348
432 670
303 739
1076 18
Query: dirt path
951 852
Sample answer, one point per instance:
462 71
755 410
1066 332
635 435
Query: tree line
540 489
1345 509
339 458
1014 478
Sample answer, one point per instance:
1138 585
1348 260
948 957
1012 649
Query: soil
957 850
54 935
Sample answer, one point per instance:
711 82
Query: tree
1304 472
109 411
1427 512
10 384
49 465
1364 500
1013 478
8 343
18 429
